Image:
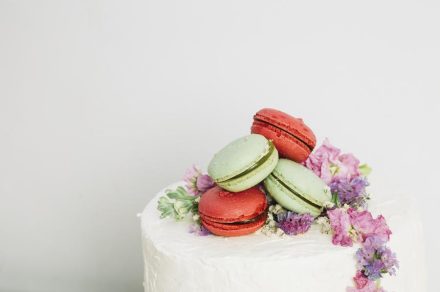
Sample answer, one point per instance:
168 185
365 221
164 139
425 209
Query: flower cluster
346 218
198 229
374 258
342 172
196 182
283 222
350 191
350 225
349 222
363 284
293 223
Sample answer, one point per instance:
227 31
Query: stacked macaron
237 205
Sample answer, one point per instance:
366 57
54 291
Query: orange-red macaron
233 214
292 138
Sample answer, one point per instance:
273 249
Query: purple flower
204 182
366 226
329 164
375 259
294 223
341 226
198 229
196 182
350 191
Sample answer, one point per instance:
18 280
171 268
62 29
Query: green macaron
297 188
243 163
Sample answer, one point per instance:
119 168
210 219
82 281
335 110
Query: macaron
292 138
243 163
233 214
297 188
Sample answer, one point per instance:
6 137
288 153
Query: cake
281 216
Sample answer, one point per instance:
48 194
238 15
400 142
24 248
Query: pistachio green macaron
243 163
297 188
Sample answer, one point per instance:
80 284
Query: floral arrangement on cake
344 216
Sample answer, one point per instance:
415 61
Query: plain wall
103 103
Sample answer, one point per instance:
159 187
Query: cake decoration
249 188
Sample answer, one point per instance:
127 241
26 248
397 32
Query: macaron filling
295 192
284 131
243 222
256 165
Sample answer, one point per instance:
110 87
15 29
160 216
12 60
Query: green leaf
365 169
177 204
335 199
180 194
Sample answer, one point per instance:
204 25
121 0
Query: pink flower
366 226
360 280
319 161
370 286
347 167
196 182
341 226
329 164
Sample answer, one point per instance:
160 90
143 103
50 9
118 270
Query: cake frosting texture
176 260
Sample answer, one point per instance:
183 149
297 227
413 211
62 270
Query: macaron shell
226 207
237 157
223 229
286 199
252 178
303 181
288 123
287 145
297 188
293 139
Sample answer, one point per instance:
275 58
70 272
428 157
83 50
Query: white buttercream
176 260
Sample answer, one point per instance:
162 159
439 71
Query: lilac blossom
196 182
198 229
350 191
293 223
375 259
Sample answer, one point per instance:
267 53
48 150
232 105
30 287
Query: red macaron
292 138
233 214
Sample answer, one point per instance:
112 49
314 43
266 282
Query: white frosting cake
176 260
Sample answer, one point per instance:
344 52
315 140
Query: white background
103 103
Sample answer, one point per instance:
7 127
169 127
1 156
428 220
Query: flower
324 224
329 164
293 223
374 258
341 226
370 286
360 280
347 166
204 182
198 229
366 226
350 191
196 182
319 161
